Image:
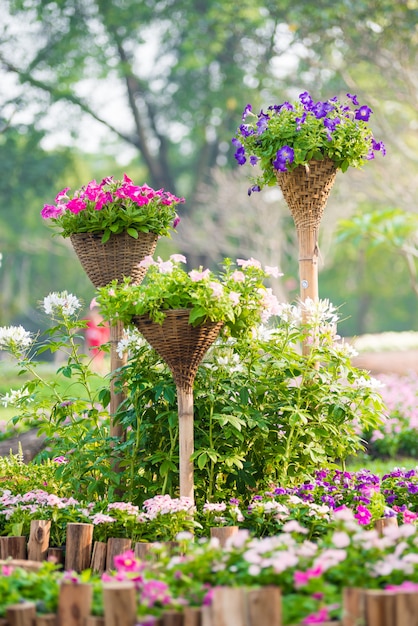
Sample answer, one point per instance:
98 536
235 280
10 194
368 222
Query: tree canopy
167 80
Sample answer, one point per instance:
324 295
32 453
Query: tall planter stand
182 346
103 262
306 190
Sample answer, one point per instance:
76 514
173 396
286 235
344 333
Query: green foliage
70 408
263 413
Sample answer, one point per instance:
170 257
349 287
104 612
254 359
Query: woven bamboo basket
118 257
306 190
181 345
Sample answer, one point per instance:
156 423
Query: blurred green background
156 89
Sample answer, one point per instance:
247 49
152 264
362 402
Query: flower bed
226 584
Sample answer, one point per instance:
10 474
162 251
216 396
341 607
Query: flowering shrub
238 297
69 408
292 134
311 576
113 206
264 413
398 434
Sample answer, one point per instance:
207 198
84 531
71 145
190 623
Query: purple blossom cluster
295 132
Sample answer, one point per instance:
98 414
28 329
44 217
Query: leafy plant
69 409
264 413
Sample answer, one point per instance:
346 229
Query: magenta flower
127 562
50 210
76 205
363 515
301 579
317 618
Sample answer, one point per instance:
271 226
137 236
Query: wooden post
227 602
380 608
21 614
93 620
116 546
142 549
38 543
119 603
385 522
116 332
14 547
223 533
186 441
74 603
56 555
308 262
265 606
48 619
98 558
406 608
78 547
192 616
172 618
353 606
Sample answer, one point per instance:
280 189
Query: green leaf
132 232
202 460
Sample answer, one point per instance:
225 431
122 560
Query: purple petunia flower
330 125
247 110
321 109
353 99
254 188
263 119
363 113
285 155
246 130
306 100
240 152
253 160
300 120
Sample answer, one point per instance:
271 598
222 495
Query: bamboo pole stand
182 346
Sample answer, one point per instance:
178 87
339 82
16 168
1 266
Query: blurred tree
169 79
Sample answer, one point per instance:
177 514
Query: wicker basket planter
182 346
118 257
306 191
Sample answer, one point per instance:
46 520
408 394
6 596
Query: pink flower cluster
165 505
104 193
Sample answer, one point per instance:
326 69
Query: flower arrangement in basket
113 225
294 134
237 298
113 206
